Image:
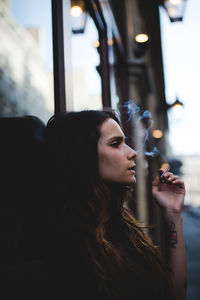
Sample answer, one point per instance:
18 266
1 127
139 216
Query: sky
181 48
181 62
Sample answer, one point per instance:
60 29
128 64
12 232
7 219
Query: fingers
169 177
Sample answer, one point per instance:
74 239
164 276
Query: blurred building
132 79
82 98
128 71
191 177
26 85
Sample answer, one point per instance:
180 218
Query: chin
133 181
130 182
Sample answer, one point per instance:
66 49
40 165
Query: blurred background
140 57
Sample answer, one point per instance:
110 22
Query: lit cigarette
165 170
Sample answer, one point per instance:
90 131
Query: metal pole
58 56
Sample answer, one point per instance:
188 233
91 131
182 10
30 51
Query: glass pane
26 63
85 59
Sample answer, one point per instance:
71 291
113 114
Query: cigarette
165 170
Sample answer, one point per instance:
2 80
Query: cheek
104 164
107 159
109 165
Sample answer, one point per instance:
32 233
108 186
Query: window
85 59
26 63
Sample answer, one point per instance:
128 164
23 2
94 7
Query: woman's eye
115 144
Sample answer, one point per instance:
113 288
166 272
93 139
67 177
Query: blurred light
96 44
141 44
79 16
141 38
157 133
175 2
165 165
172 12
175 9
76 11
177 103
177 111
110 42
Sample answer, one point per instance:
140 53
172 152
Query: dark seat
22 194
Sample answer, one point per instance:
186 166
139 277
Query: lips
132 168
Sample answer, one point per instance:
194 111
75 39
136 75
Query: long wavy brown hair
122 256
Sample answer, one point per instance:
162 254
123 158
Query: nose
132 154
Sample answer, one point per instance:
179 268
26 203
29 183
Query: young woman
98 249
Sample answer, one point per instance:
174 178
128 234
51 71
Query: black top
70 265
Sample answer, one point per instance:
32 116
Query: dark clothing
69 264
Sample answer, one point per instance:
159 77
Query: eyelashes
115 144
118 141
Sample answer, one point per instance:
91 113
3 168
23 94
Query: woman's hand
169 192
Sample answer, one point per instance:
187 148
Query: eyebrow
117 137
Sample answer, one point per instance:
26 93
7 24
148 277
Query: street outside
191 228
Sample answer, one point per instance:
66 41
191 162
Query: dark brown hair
118 248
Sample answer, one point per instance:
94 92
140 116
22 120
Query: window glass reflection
85 59
26 63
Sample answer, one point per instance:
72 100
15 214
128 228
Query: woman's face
116 158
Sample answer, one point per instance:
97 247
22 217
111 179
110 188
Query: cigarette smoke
135 114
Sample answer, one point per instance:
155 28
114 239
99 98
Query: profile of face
116 160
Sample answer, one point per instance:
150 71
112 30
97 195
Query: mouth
131 168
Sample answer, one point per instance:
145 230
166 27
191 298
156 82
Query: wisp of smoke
155 152
135 114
